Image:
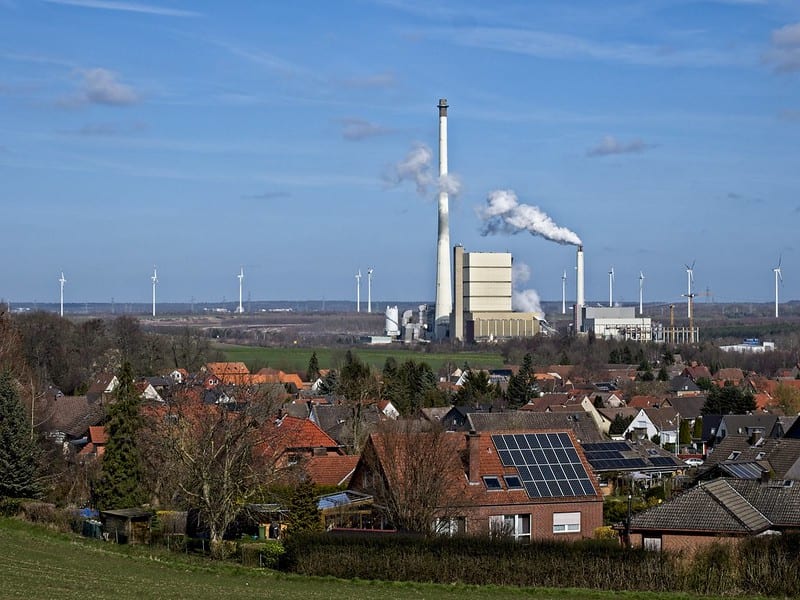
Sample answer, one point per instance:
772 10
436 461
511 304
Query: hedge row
764 566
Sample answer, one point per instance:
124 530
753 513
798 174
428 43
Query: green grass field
38 563
296 359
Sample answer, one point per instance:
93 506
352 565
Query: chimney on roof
474 456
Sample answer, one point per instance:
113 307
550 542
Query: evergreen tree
697 431
728 400
312 372
685 435
18 451
304 514
119 485
663 375
521 387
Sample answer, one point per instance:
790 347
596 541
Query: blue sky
202 136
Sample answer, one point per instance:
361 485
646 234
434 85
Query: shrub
10 507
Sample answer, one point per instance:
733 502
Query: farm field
296 359
38 563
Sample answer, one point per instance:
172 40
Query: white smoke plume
416 167
520 273
523 300
504 214
526 301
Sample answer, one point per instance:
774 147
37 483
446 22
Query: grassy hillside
296 359
37 563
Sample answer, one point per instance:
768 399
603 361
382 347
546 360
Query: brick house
722 510
525 484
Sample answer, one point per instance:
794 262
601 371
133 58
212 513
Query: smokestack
580 300
444 298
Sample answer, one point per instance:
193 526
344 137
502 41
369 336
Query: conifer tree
18 451
304 513
312 372
120 482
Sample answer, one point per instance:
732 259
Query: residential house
330 470
695 372
683 386
101 387
146 391
753 426
728 376
740 456
96 444
718 511
607 416
288 441
625 461
233 373
581 424
70 417
529 484
651 422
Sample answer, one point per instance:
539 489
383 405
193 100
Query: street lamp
628 521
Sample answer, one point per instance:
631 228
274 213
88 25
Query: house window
492 483
517 527
734 455
652 543
513 482
567 522
450 526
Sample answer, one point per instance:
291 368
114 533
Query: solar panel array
748 470
607 456
547 463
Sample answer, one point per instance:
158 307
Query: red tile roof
330 470
98 434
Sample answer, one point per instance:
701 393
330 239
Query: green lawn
296 359
38 563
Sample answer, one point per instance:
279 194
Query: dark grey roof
579 422
682 384
73 415
713 507
337 420
689 407
711 426
778 501
742 423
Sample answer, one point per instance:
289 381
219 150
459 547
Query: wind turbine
62 281
358 291
641 287
689 282
611 287
369 289
564 293
155 281
240 309
778 275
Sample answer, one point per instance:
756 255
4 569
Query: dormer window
492 483
734 455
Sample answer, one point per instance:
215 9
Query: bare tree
415 473
208 457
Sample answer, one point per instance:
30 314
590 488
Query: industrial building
482 299
617 322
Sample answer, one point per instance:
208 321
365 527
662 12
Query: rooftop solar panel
547 463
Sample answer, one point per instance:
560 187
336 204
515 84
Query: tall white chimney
580 300
444 297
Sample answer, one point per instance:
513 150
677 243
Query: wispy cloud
377 80
784 54
127 7
107 129
567 47
610 145
264 59
101 86
267 196
358 129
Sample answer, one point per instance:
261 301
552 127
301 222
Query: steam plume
504 214
523 300
416 167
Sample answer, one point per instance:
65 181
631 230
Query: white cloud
784 54
127 7
611 145
101 86
358 129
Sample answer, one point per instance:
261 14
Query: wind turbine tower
358 291
369 289
641 287
240 308
611 287
778 275
689 282
62 281
564 293
155 281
